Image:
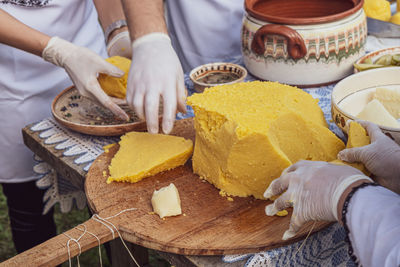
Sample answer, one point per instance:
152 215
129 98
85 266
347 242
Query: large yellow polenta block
142 154
114 86
248 133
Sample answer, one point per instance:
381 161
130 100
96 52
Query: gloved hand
313 189
83 66
381 157
120 45
156 72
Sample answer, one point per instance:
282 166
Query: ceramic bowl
377 54
350 95
303 43
213 74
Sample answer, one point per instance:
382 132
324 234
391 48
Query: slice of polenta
357 137
142 154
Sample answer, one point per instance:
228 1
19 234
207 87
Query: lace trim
26 3
344 212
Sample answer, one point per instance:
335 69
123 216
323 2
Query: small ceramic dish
373 56
213 74
350 95
82 115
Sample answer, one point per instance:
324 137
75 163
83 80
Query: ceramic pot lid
302 12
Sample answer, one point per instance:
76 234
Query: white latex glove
120 45
313 189
83 66
381 157
156 72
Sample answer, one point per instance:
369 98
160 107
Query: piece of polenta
142 154
114 86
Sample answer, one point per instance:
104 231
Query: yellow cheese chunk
142 154
248 133
375 112
166 201
114 86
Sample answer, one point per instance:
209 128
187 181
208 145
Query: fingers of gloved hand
181 94
105 100
152 100
277 186
110 69
373 130
294 227
169 108
279 204
355 154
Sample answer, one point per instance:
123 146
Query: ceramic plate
81 114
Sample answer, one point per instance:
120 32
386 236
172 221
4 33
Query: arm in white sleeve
372 221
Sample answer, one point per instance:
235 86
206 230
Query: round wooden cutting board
209 225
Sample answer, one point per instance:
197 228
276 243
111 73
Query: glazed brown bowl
303 42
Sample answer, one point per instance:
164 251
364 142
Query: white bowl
350 95
377 54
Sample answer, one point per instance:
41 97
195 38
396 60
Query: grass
64 222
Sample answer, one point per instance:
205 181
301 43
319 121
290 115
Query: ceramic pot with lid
303 42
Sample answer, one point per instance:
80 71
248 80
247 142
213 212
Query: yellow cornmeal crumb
282 213
107 148
357 137
222 193
114 86
151 213
142 154
229 199
104 173
247 133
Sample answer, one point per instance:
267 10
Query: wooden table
66 167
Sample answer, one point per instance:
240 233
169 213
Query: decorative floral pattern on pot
303 55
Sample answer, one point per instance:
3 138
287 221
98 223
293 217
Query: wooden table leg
120 257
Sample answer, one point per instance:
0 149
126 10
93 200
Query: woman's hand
313 189
83 66
381 157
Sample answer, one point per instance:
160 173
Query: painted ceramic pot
303 42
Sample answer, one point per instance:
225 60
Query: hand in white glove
83 66
313 188
381 157
156 72
120 45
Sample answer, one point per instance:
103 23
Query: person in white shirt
369 212
168 44
66 34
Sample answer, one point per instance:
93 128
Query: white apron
28 84
205 31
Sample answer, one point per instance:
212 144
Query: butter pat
390 99
142 154
166 201
248 133
375 112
